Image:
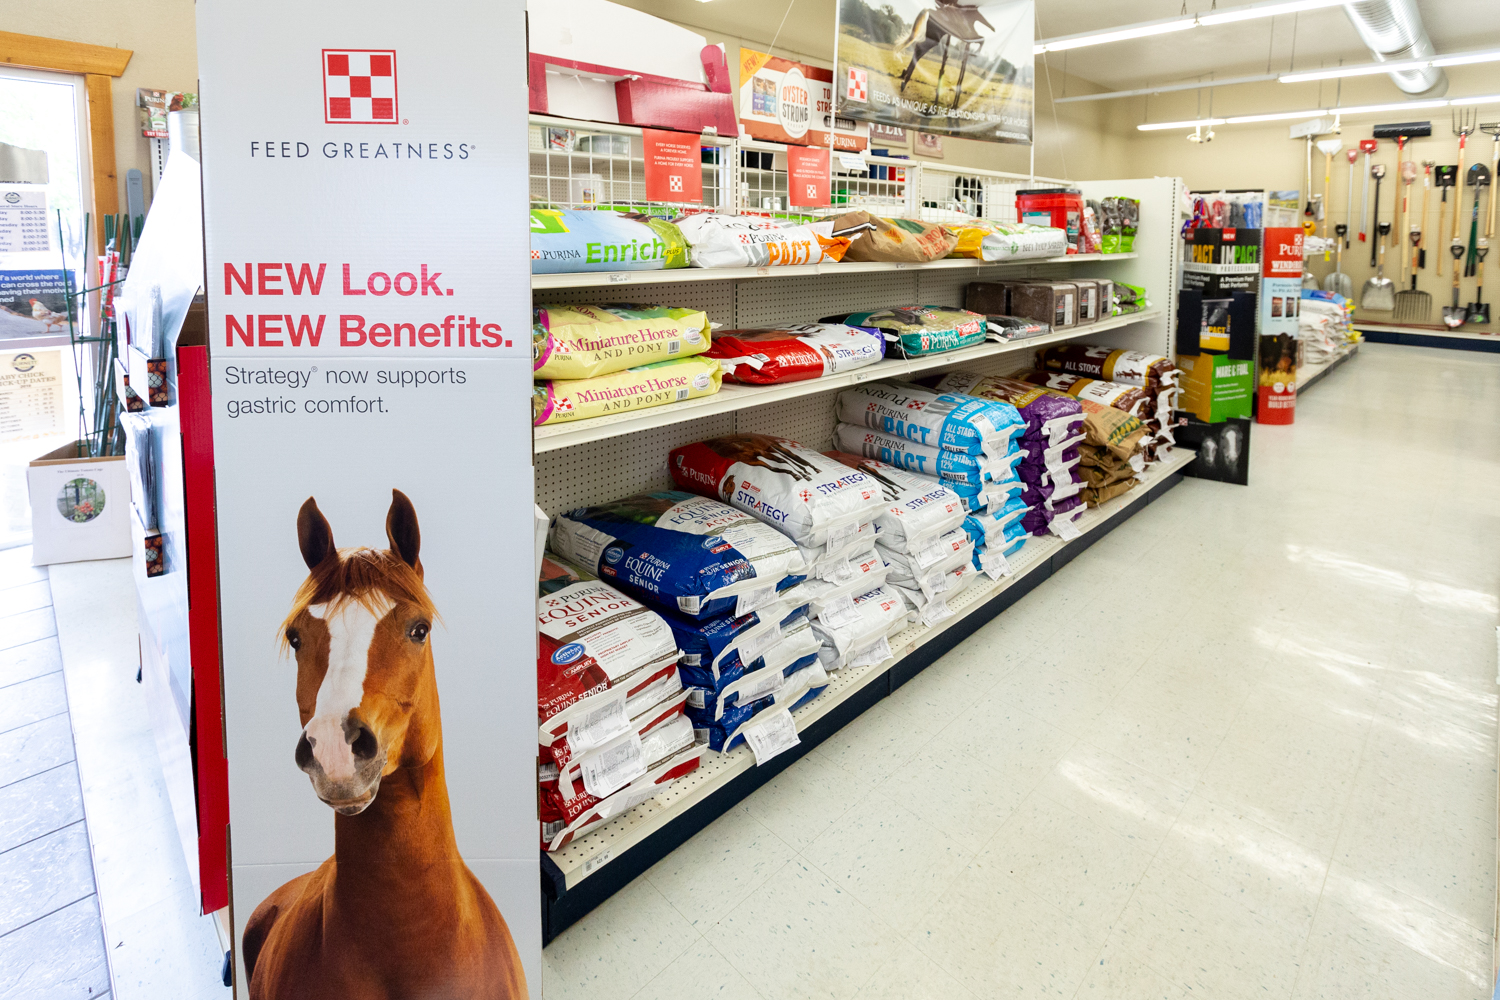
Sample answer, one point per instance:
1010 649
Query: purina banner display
791 102
369 297
1280 305
938 66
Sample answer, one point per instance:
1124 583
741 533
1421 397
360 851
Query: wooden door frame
98 65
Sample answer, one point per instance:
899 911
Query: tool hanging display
1377 172
1479 310
1492 129
1367 146
1455 316
1379 293
1419 252
1445 176
1479 180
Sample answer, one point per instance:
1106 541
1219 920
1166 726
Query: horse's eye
418 632
293 639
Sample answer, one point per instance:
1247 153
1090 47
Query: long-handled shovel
1327 147
1418 251
1479 310
1445 176
1337 281
1379 293
1377 172
1367 146
1455 316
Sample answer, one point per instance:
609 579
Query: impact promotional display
376 565
938 66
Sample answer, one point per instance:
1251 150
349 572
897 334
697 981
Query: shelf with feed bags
551 437
588 870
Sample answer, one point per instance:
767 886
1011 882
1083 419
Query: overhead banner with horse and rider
941 66
369 328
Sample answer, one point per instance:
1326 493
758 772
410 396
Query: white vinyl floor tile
1243 746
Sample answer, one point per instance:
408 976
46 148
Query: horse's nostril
364 744
304 753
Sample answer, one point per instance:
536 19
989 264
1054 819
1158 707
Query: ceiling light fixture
1145 29
1363 109
1372 69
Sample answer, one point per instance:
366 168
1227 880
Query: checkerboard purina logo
359 87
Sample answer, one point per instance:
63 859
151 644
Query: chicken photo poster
941 66
371 379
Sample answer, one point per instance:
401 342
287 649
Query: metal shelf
590 853
731 397
605 279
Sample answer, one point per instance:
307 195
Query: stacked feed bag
610 725
1154 373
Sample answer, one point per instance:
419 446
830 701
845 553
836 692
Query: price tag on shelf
619 276
598 861
771 733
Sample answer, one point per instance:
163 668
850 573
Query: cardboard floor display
376 558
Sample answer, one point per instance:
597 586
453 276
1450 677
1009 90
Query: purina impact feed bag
582 341
936 419
749 241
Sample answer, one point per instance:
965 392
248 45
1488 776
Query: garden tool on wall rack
1352 154
1491 129
1367 146
1418 251
1379 293
1309 213
1479 179
1406 176
1444 177
1329 147
1337 281
1463 127
1377 172
1455 316
1479 310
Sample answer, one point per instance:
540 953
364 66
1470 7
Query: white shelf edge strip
737 397
589 853
585 279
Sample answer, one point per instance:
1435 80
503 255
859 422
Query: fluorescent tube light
1380 109
1487 99
1371 69
1144 29
1273 9
1277 117
1207 122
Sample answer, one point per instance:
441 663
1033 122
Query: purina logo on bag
359 87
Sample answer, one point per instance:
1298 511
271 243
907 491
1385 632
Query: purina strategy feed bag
795 353
560 400
582 341
917 509
862 631
936 419
681 551
748 241
804 494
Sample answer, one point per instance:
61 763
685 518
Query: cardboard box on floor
80 507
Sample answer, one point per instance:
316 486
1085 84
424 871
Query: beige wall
162 34
1265 156
1077 144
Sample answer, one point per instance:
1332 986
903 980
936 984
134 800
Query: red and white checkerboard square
859 85
359 87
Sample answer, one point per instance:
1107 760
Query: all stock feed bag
984 529
1135 400
795 353
750 241
680 551
1048 416
582 341
936 419
914 331
1109 365
806 495
561 400
564 241
917 509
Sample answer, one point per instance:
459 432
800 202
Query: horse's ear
401 528
314 535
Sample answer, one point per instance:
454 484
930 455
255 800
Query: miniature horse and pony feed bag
808 496
680 551
582 341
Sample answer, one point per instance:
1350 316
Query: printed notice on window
31 394
23 222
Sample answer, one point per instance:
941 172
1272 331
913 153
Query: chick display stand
601 459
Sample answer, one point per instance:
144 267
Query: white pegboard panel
714 297
601 471
808 420
580 165
773 301
943 288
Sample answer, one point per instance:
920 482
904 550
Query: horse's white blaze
351 630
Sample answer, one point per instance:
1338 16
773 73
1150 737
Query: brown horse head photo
395 912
